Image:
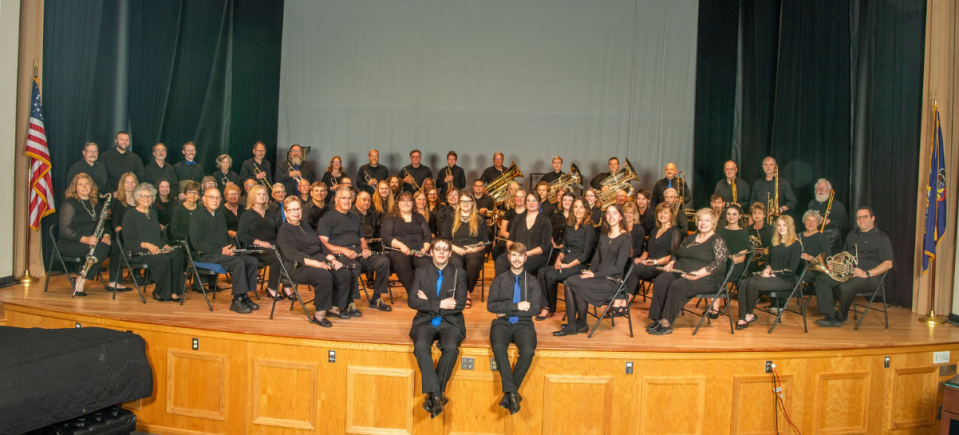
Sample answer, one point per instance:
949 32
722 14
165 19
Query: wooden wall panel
749 416
577 404
479 414
378 401
842 403
673 405
188 373
284 394
914 395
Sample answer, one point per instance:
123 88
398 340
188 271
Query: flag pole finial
36 66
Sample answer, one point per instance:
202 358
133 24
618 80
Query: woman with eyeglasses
579 241
406 231
309 262
142 235
533 230
180 226
333 173
467 228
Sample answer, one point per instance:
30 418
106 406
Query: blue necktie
282 213
516 293
189 163
439 283
670 183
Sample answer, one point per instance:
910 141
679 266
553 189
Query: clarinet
297 265
97 234
162 251
477 245
238 251
412 251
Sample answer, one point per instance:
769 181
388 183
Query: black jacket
454 283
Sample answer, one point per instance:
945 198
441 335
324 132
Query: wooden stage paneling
253 375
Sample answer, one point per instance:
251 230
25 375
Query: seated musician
383 199
514 297
779 273
247 185
333 173
592 286
421 207
592 205
448 209
342 233
579 241
837 222
142 235
514 208
223 175
483 201
467 230
759 229
396 184
534 231
208 236
433 201
637 236
180 225
369 219
663 243
874 252
813 242
309 262
670 196
698 267
124 200
258 229
546 208
317 205
737 241
558 219
303 188
716 203
165 203
208 182
278 194
404 232
231 208
79 215
438 296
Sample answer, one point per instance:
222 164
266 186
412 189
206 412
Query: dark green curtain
172 72
832 89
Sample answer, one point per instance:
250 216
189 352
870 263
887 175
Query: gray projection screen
585 80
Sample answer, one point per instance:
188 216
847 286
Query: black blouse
558 221
369 222
711 254
312 213
252 227
180 225
165 210
815 244
138 228
536 237
297 242
232 220
638 236
578 244
611 256
229 177
462 235
330 180
664 245
78 218
782 257
117 210
413 234
736 240
431 221
765 234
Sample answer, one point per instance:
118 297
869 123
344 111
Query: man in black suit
208 235
294 167
257 167
514 296
439 300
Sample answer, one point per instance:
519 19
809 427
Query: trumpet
415 186
290 165
564 183
367 177
263 181
773 271
675 270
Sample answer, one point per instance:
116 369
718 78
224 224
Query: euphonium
843 264
620 180
564 184
498 189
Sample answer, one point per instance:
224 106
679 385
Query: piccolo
772 271
162 251
297 265
674 270
412 251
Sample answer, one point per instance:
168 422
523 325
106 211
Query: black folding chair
207 269
880 291
131 265
721 293
797 293
620 290
59 258
284 278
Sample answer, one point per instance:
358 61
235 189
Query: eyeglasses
291 210
214 198
192 192
859 218
146 195
438 249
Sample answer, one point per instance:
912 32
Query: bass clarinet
97 234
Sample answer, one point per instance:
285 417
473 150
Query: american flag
41 188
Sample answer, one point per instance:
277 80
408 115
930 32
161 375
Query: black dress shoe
80 293
380 305
504 402
322 322
159 299
240 307
514 400
663 330
353 311
250 303
428 403
829 322
437 405
564 331
273 294
119 290
339 315
582 329
654 326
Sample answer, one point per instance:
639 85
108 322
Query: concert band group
434 231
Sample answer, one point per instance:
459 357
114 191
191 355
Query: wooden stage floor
393 327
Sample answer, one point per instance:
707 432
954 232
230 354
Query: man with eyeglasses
874 252
483 201
159 170
493 172
208 236
258 167
414 173
90 166
276 206
440 295
295 167
342 233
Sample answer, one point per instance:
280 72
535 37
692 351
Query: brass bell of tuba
564 184
498 189
620 180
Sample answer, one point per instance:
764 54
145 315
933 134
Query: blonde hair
121 192
251 196
426 211
790 236
474 217
378 204
708 211
71 191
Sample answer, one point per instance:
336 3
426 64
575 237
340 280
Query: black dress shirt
120 163
283 175
724 189
413 234
873 247
188 172
229 177
98 172
579 244
247 170
536 237
378 173
138 228
659 190
762 187
253 227
838 217
154 174
208 231
490 174
500 299
419 174
180 226
552 176
459 179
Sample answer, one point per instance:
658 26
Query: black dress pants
242 269
501 334
379 265
473 264
750 289
448 338
69 248
671 293
640 272
167 271
404 266
268 258
826 286
325 283
549 279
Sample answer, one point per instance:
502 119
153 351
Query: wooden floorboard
393 327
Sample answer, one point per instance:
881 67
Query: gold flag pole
932 319
26 279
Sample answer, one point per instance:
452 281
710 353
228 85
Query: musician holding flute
779 273
144 238
467 232
79 215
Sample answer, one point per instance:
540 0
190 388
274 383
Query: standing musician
663 244
183 213
79 215
257 168
223 174
451 175
187 169
493 172
779 273
414 173
143 235
556 172
406 231
837 220
531 228
369 219
579 241
333 173
724 187
702 260
592 286
637 236
670 196
120 160
209 237
597 181
369 175
646 210
483 201
513 209
592 206
764 189
159 170
295 166
873 250
447 210
257 228
514 297
342 233
440 294
670 182
90 166
466 229
309 262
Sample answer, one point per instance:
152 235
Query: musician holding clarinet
403 233
81 219
779 273
144 239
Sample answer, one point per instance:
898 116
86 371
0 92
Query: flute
772 272
675 270
162 251
412 251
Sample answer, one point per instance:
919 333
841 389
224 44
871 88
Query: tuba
498 189
843 264
620 180
564 184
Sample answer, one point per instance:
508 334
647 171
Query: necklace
464 219
145 213
93 212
